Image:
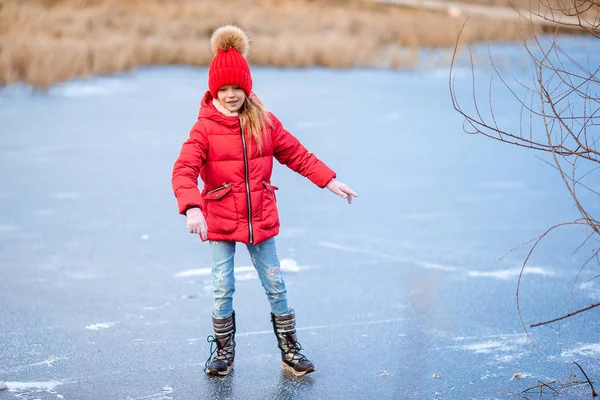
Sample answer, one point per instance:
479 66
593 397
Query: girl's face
231 97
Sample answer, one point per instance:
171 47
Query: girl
231 147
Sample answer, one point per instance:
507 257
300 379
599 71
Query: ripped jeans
266 262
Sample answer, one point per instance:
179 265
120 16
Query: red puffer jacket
238 200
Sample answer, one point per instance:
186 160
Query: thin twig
594 394
566 316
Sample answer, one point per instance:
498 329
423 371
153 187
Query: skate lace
222 353
293 348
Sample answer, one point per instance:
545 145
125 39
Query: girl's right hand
196 222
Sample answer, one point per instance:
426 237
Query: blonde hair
255 119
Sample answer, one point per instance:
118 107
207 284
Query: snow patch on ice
508 358
506 274
101 325
485 347
99 87
82 91
22 386
245 272
503 349
592 290
586 350
290 265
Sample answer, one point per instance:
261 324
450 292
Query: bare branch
565 316
594 394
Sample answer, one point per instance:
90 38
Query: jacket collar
222 109
209 111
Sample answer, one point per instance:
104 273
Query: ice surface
410 279
23 386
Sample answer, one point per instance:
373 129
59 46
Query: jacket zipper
225 185
247 185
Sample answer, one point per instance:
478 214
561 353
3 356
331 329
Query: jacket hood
208 111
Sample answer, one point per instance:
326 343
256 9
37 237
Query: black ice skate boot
285 331
221 363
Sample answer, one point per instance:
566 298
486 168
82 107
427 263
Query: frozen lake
104 294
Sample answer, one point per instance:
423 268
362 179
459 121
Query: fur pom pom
230 37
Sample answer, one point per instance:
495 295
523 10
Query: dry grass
46 41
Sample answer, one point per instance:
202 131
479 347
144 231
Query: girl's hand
196 222
342 190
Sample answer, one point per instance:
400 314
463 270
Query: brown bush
46 41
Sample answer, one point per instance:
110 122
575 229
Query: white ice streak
332 326
506 274
378 254
102 325
440 267
78 89
8 228
82 91
586 350
22 386
486 347
503 348
150 308
355 249
248 276
244 272
161 395
48 363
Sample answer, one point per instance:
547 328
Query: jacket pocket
221 210
270 214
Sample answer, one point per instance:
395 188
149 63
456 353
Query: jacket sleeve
288 150
187 168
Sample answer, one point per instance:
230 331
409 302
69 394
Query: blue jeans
265 260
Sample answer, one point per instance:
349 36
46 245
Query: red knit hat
230 46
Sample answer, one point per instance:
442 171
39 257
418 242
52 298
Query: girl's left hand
342 190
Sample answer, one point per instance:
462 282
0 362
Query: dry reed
47 41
